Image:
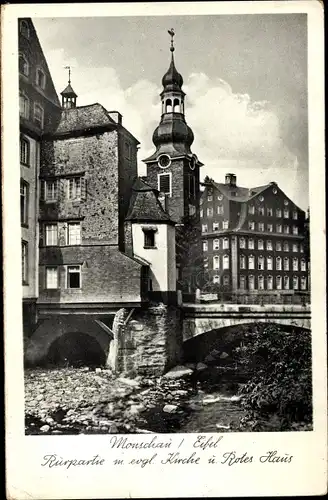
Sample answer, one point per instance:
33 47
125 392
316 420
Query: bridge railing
256 298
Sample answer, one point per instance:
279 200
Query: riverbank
88 401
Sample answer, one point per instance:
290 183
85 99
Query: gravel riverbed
94 401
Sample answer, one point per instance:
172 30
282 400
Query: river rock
201 366
178 372
170 408
45 428
221 426
98 370
224 355
129 381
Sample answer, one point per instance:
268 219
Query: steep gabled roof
242 194
145 205
83 118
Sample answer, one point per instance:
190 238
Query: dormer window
149 237
23 65
40 78
24 29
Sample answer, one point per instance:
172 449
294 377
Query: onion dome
173 131
172 80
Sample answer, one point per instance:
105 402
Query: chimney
231 179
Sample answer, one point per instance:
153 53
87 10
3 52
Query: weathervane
171 33
69 74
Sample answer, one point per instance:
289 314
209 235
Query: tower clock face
164 161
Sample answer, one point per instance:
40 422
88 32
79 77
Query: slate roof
83 118
145 205
68 91
241 194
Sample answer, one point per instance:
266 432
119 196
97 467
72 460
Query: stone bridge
201 318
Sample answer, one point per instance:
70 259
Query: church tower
174 171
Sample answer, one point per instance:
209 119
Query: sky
245 77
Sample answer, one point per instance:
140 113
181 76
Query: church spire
68 94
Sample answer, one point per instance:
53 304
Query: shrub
279 388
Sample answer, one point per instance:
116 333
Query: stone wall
148 341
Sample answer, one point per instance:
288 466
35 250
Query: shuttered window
164 183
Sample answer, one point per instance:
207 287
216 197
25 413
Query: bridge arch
65 337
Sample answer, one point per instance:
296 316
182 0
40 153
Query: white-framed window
269 245
270 228
301 248
278 283
286 264
251 245
209 212
286 246
286 229
226 243
216 262
260 282
50 189
295 215
269 282
201 213
242 260
73 233
251 209
242 242
205 246
286 282
251 282
303 265
24 199
73 276
209 197
269 263
279 228
226 262
295 230
303 283
261 210
23 63
251 262
51 234
225 224
286 213
260 263
24 262
24 106
74 188
204 228
278 264
278 212
215 226
242 282
216 244
216 279
38 114
251 225
260 245
261 226
24 151
165 183
40 78
295 247
295 264
24 28
278 246
269 212
51 277
295 282
220 210
226 280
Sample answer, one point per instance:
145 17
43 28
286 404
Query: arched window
269 263
24 29
251 244
278 283
216 279
205 246
242 282
216 262
303 265
295 282
303 283
176 106
295 264
251 282
242 262
286 246
261 283
260 263
226 262
23 65
286 264
278 263
226 243
286 282
242 242
260 244
168 106
216 244
251 262
270 282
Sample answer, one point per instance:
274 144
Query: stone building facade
253 239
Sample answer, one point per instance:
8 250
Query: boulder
201 366
129 381
224 355
45 428
178 372
170 408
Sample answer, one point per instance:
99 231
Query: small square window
149 238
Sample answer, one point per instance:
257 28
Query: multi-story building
252 238
39 107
